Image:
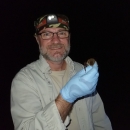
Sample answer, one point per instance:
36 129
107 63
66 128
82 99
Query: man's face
54 49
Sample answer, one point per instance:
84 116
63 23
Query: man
54 92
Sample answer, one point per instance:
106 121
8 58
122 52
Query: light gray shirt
33 101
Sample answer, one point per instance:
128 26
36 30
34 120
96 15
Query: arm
83 83
63 106
100 119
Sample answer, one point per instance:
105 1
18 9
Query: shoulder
78 66
73 64
26 71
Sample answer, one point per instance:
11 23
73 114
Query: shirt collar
45 68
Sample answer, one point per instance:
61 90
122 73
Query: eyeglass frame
53 34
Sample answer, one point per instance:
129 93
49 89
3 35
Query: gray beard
51 58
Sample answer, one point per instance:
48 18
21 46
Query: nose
55 38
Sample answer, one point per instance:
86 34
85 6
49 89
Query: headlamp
51 21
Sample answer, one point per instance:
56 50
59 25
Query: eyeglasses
49 35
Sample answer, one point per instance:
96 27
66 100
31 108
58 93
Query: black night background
99 29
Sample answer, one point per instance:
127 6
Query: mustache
55 46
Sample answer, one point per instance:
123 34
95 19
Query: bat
90 62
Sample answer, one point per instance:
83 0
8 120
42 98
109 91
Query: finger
90 74
95 65
84 71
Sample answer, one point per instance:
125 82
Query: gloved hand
81 84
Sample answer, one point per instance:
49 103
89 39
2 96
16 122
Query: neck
57 66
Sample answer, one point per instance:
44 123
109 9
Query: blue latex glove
81 84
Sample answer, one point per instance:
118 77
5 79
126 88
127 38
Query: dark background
99 29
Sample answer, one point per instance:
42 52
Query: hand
81 84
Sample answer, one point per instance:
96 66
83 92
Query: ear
36 37
69 35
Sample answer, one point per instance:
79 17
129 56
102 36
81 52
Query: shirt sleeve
100 119
27 111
